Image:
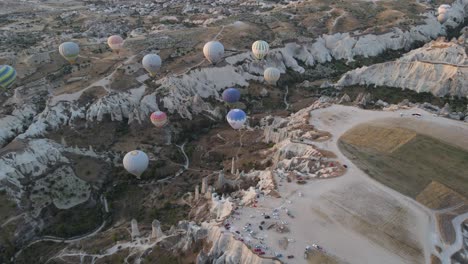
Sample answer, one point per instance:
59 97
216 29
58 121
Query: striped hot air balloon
213 51
231 95
7 76
236 118
115 42
70 51
159 119
271 75
260 49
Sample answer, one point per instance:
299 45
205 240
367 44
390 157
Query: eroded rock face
37 173
439 67
225 249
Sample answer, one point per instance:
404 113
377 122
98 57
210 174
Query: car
290 256
319 248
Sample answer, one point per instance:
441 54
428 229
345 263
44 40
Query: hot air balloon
213 51
159 119
231 95
443 9
236 118
115 42
136 162
260 49
70 51
442 17
151 63
271 75
7 76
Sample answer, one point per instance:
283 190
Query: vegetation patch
411 167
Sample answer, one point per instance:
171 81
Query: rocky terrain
65 128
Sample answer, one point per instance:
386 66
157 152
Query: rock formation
440 68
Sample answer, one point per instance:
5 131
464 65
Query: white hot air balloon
443 9
271 75
70 51
213 51
115 42
236 118
136 162
260 49
151 63
442 17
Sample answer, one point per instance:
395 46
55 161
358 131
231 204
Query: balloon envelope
7 76
159 119
442 17
236 118
136 162
70 51
151 63
260 49
115 42
213 51
443 8
271 75
231 95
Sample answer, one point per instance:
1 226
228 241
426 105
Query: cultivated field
404 161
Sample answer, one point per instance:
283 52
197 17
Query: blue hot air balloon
236 118
231 95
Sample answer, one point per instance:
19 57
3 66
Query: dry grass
412 164
438 196
317 257
385 140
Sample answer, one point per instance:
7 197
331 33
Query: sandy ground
353 217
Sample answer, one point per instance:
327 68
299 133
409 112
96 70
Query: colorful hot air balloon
136 162
115 42
231 95
443 9
151 63
213 51
7 76
159 119
260 49
236 118
70 51
271 75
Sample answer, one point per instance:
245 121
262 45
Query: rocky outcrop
440 68
37 173
226 249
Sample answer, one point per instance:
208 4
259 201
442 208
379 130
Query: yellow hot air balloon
260 49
